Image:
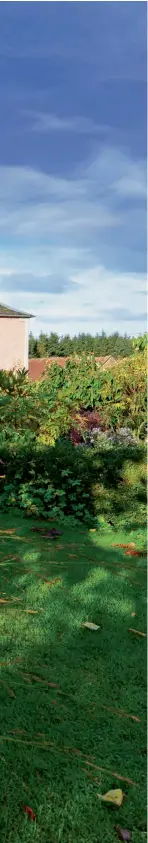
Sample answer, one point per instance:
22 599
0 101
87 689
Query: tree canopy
53 345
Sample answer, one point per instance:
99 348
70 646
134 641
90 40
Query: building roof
15 314
107 361
38 365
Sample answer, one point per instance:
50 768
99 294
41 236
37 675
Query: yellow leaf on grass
90 625
113 796
2 600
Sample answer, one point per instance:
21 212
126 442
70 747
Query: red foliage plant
87 421
92 419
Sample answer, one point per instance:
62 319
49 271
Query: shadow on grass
54 734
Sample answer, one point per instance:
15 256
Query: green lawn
55 740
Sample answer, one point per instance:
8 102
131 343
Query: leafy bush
72 398
43 479
122 491
118 395
123 395
41 470
63 480
42 409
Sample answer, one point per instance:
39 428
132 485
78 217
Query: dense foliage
63 480
41 470
49 408
101 345
118 395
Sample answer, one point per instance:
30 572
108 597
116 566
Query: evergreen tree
53 345
65 346
101 345
42 345
32 346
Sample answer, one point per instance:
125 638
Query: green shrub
42 472
52 406
64 480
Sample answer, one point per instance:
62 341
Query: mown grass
54 740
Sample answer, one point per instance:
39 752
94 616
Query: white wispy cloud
117 174
65 230
133 183
94 299
36 203
44 121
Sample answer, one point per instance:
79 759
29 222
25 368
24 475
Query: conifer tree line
53 345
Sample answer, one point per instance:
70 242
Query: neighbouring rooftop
38 365
13 314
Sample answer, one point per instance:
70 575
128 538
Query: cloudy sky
73 164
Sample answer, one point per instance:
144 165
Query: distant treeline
100 345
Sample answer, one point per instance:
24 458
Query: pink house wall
13 343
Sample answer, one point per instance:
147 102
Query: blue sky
73 164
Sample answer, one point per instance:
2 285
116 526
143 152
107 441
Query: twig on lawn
137 632
48 744
121 713
111 773
10 692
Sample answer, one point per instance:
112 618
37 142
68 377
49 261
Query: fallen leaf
135 552
89 625
29 811
113 796
2 600
137 632
5 532
133 614
31 611
124 834
130 544
53 582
